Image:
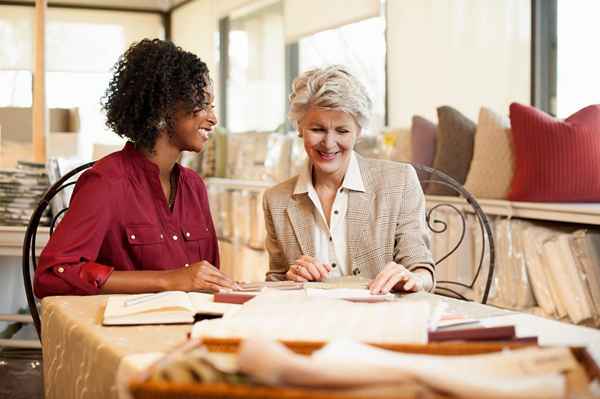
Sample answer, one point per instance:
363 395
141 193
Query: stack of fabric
542 268
21 189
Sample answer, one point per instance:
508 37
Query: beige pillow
492 167
401 151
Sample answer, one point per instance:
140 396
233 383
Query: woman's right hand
308 269
199 276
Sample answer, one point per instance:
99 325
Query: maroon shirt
119 219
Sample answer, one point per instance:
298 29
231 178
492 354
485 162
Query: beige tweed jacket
385 223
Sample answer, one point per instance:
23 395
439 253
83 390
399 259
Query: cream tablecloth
82 358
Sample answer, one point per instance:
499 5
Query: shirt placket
169 221
335 220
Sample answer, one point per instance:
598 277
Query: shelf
585 213
234 184
11 239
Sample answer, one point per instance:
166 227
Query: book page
339 282
126 305
347 293
293 316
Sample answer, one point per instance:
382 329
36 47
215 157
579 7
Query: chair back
483 274
29 256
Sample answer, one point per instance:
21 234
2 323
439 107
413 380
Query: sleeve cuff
95 274
427 267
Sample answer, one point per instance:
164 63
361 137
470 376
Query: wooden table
81 357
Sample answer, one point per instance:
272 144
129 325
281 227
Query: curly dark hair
152 80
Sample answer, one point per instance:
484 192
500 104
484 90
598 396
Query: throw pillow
422 141
454 148
492 168
556 160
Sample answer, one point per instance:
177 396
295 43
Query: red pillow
556 160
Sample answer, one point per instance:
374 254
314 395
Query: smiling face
329 137
191 129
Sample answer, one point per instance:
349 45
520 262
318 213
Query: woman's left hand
395 277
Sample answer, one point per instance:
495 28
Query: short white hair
332 88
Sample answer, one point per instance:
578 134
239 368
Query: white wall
578 56
195 28
463 53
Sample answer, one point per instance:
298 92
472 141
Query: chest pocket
147 245
197 242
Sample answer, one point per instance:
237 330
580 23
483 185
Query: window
82 47
16 88
255 97
361 48
82 90
578 60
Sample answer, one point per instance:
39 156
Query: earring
299 133
161 124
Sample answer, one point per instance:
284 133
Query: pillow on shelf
454 148
492 168
555 160
422 141
401 141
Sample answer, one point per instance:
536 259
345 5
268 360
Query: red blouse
119 219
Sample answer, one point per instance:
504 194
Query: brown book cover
229 297
502 333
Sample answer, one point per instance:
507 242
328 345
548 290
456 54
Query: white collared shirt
330 241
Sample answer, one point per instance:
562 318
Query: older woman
344 214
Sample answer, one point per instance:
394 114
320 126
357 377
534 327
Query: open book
168 307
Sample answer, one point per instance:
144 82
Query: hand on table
199 276
308 269
396 278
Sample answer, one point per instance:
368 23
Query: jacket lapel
302 221
359 217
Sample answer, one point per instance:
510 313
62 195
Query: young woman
138 221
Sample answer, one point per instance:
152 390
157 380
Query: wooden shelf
234 184
584 213
11 239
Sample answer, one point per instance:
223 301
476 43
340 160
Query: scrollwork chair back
29 247
482 275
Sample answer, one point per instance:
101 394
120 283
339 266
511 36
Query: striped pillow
556 160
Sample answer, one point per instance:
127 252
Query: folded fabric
586 248
572 290
526 373
555 160
512 284
492 167
533 238
454 148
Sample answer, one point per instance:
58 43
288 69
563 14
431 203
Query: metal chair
29 255
429 175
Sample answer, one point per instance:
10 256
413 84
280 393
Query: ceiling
151 5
